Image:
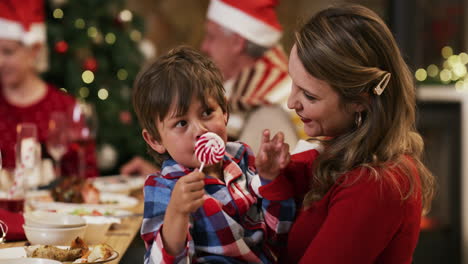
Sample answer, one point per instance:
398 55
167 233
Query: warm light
122 74
447 52
135 35
63 89
463 58
92 32
80 23
421 75
84 92
87 76
110 38
452 60
126 15
459 70
445 75
103 94
460 85
432 70
58 13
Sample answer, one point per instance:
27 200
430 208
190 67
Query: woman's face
16 61
316 103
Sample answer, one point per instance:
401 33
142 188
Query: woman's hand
272 156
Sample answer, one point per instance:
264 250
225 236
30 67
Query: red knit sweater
39 114
363 222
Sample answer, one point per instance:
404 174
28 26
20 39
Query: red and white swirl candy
209 149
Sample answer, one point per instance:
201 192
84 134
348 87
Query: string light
84 92
122 74
58 13
135 35
80 23
125 15
421 75
445 75
103 94
447 52
92 32
110 38
87 76
432 70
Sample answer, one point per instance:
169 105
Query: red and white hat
22 20
255 20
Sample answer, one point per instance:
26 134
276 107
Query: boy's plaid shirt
244 219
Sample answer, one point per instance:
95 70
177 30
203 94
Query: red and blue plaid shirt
244 219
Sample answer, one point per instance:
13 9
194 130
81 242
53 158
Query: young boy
227 213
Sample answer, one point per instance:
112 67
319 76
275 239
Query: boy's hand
188 192
272 156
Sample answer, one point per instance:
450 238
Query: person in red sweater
360 182
24 96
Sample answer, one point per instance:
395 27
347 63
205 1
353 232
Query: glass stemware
28 155
57 139
83 129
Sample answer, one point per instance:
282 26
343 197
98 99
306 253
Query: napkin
15 222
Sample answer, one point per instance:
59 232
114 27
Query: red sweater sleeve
361 221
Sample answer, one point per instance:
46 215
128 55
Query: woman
363 191
24 96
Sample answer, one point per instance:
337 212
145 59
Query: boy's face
180 133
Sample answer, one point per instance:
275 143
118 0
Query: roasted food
51 252
75 190
77 253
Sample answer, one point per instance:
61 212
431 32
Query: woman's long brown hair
351 48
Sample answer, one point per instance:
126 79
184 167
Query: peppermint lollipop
209 149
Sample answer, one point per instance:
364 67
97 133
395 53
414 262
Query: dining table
119 236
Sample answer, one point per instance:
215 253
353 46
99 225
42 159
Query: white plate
83 211
119 183
20 252
28 261
108 201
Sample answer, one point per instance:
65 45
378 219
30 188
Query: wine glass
27 146
57 138
83 129
28 158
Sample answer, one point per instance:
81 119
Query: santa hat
255 20
23 20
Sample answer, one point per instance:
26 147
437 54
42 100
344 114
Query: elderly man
242 39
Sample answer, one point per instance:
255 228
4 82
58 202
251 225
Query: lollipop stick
201 166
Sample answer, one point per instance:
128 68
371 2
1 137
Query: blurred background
96 48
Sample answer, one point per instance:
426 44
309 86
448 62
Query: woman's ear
152 142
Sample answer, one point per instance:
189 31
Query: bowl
97 228
53 236
52 220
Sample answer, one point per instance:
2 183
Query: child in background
227 213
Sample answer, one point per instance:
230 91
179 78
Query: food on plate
75 190
77 249
52 252
87 212
78 252
98 252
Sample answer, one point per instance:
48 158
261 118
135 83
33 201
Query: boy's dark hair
178 77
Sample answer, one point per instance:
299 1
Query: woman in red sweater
363 189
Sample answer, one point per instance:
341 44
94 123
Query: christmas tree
95 53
